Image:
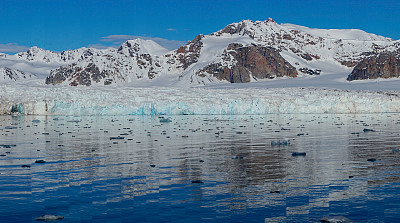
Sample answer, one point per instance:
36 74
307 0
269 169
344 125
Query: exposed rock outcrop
250 61
13 74
190 53
384 65
78 76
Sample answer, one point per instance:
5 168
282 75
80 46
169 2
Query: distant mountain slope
241 52
8 74
135 59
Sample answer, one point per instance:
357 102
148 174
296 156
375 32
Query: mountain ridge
297 50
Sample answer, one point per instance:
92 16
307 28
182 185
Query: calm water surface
200 168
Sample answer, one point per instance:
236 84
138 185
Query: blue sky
69 24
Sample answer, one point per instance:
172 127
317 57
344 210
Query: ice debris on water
7 145
284 142
49 217
335 219
40 161
368 130
299 153
165 120
36 121
197 182
118 137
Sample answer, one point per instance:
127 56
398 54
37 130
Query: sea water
200 168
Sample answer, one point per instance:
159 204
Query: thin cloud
101 46
114 40
171 29
12 48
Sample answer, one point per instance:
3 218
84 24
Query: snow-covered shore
199 101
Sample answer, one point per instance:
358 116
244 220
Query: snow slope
8 74
343 34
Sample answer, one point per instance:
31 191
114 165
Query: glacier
30 100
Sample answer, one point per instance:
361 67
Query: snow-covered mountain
8 74
135 59
241 52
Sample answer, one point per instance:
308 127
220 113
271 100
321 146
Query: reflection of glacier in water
151 174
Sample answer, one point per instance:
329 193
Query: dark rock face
260 62
190 53
384 65
77 75
13 74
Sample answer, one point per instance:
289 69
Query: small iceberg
299 153
335 219
165 120
118 137
284 142
197 182
48 217
368 130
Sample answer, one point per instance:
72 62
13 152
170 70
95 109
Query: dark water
200 168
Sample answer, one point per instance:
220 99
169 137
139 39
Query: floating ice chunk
36 121
165 120
197 182
335 219
284 142
48 217
299 153
7 145
368 130
118 137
